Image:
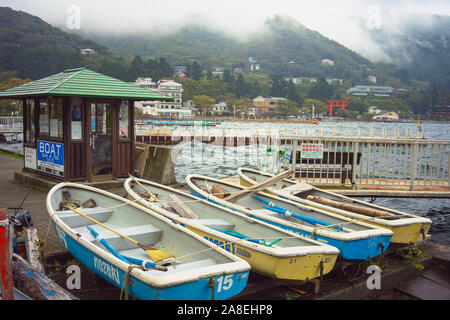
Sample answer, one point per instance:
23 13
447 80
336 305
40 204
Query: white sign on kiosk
50 157
30 158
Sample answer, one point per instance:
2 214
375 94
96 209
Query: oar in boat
144 264
146 190
154 254
278 209
260 185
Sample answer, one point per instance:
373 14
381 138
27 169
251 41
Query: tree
292 93
165 68
357 104
288 108
137 68
279 85
243 105
194 71
320 90
204 103
319 106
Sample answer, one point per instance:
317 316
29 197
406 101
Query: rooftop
82 82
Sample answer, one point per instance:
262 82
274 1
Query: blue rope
272 206
107 245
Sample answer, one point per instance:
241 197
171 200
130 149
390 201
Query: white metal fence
374 161
11 123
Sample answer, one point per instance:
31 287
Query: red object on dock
5 260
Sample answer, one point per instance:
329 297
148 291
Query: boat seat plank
215 223
147 234
74 220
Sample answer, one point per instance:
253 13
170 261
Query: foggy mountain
419 44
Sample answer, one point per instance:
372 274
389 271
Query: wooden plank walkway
432 284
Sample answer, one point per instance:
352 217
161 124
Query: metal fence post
413 165
355 158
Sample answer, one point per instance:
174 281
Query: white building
327 62
388 116
255 67
220 108
372 79
165 109
146 83
331 80
87 51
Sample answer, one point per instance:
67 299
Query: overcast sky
335 19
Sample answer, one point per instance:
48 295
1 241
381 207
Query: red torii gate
337 104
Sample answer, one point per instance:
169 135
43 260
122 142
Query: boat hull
291 269
403 234
352 251
202 271
199 289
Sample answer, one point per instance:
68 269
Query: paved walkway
12 194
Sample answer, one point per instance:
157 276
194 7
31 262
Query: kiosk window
124 122
76 119
30 129
44 115
56 118
51 117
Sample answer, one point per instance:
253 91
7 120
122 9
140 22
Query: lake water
220 162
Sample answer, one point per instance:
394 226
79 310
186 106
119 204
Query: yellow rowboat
270 250
407 228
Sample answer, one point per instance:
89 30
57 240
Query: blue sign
50 157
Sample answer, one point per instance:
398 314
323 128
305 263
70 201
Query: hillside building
361 90
165 109
327 62
388 116
372 79
87 51
266 105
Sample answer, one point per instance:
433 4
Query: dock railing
364 157
367 161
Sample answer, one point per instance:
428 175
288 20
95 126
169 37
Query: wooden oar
154 254
146 190
353 208
261 185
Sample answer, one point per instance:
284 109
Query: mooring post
5 259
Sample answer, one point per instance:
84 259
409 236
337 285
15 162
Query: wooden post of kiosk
5 259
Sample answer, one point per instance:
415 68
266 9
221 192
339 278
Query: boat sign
50 157
107 269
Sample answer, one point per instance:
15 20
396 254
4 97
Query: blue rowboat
196 270
356 241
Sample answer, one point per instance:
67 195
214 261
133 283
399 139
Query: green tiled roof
82 83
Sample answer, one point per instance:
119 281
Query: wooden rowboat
196 269
407 228
356 241
270 250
